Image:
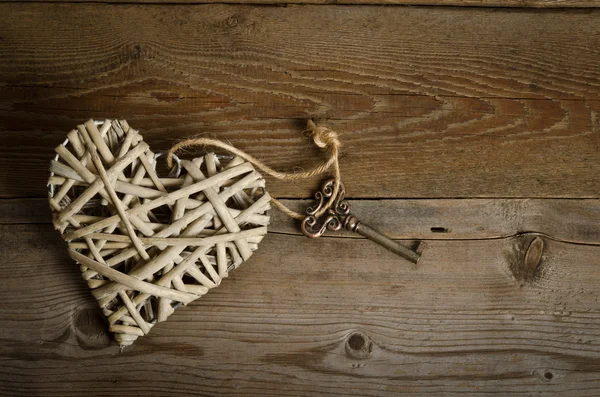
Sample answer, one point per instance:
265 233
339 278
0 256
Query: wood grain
490 112
284 324
440 103
463 3
574 221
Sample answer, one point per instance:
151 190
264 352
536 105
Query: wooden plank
440 103
285 324
475 3
463 3
24 210
572 221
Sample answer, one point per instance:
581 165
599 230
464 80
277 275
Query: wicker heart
147 243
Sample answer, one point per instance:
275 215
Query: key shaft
352 224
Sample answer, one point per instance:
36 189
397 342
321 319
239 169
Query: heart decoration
147 243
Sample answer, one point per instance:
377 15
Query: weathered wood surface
430 102
464 3
284 324
573 221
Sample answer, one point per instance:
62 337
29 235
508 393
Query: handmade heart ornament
148 243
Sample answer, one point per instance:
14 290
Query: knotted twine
323 137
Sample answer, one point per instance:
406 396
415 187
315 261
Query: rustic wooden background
474 128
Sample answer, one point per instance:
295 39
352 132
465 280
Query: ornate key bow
338 216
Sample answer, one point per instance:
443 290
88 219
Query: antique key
338 216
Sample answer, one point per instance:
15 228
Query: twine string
323 137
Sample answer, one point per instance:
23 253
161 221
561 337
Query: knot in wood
358 345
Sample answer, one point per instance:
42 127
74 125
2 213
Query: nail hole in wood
439 230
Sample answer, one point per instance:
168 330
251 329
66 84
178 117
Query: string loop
323 137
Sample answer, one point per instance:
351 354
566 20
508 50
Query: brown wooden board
429 102
467 3
572 221
327 317
475 129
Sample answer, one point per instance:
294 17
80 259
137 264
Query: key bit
338 216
